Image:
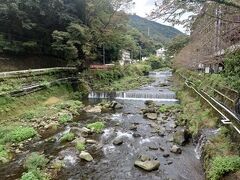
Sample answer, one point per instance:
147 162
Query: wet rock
149 110
95 109
170 139
91 141
85 131
173 125
180 137
118 141
166 155
175 149
117 106
148 165
151 116
133 127
149 103
86 156
136 135
153 147
144 158
161 148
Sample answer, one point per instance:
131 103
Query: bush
223 165
34 175
67 137
156 62
96 127
64 118
35 161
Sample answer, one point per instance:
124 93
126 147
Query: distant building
161 53
125 57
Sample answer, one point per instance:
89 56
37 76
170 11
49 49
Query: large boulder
86 156
180 137
148 165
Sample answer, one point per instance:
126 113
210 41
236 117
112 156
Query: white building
125 57
160 53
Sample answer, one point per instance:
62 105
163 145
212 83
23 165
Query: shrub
64 118
4 154
80 146
35 161
34 175
19 134
67 137
223 165
96 127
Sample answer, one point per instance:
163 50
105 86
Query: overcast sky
144 7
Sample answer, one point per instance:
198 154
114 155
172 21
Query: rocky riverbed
138 141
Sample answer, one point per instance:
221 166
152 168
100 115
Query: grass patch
80 146
72 106
64 118
221 165
68 137
4 154
35 174
16 134
35 161
36 164
166 108
96 127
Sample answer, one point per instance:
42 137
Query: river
117 162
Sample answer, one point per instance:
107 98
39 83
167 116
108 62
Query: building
161 53
125 57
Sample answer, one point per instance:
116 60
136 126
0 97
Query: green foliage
67 137
73 106
64 118
18 134
156 62
80 146
221 165
232 70
35 161
4 154
165 108
35 174
119 78
96 127
158 32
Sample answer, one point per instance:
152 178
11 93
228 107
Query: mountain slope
158 32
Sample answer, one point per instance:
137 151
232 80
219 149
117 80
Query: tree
174 10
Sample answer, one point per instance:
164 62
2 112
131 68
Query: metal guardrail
228 116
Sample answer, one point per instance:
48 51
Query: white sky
144 7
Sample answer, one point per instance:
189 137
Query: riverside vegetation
220 154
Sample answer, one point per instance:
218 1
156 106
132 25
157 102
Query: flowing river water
117 162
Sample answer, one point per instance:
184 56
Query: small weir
154 92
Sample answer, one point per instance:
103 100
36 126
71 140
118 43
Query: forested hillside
77 31
158 32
